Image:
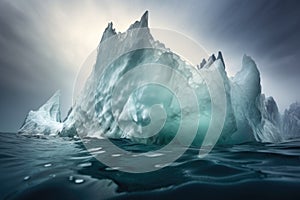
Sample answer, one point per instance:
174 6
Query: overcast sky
44 43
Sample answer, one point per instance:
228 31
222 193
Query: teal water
60 168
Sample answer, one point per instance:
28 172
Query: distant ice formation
46 120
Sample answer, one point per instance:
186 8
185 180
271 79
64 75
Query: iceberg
46 120
291 122
128 113
254 113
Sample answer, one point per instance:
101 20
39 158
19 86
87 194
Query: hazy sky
44 43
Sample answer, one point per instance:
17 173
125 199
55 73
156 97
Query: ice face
46 120
246 89
257 117
250 116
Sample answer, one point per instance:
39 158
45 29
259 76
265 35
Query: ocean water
61 168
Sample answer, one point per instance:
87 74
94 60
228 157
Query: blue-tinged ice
250 116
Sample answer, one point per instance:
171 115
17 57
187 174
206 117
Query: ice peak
143 23
144 18
202 63
108 32
248 64
249 78
52 107
212 58
220 57
110 26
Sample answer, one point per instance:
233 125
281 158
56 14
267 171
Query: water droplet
79 181
26 178
48 165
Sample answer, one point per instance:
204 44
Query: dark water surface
60 168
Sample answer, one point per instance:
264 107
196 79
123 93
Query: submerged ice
250 116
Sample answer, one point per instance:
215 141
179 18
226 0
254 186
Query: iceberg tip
220 57
143 23
108 32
